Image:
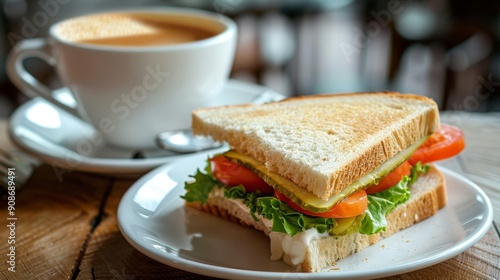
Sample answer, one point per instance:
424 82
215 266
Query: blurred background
448 50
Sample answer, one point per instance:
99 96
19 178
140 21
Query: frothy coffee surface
135 29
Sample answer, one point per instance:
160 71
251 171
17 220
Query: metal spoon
184 142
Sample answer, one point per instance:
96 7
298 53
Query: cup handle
22 79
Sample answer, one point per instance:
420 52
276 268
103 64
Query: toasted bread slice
323 142
428 196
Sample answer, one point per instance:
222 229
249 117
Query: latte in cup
136 29
133 74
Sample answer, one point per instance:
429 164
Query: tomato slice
391 179
447 142
351 206
233 174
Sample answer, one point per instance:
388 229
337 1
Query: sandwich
324 176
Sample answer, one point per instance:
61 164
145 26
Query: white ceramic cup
132 93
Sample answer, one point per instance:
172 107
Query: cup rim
227 33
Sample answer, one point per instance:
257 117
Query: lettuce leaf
199 189
284 218
289 221
249 199
237 192
382 203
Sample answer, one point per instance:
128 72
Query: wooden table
67 228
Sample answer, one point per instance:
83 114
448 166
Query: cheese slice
307 199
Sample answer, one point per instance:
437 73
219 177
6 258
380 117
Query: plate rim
220 271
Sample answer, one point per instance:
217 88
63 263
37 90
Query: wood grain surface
67 228
53 221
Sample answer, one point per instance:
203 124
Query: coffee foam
103 26
135 29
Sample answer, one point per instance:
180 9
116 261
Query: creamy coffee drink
132 73
136 29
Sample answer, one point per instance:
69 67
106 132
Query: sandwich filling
307 199
291 218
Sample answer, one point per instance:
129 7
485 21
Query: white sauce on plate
283 246
292 248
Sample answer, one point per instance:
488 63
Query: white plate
53 135
152 217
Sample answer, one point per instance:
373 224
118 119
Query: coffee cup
133 74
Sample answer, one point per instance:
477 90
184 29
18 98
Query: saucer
66 142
